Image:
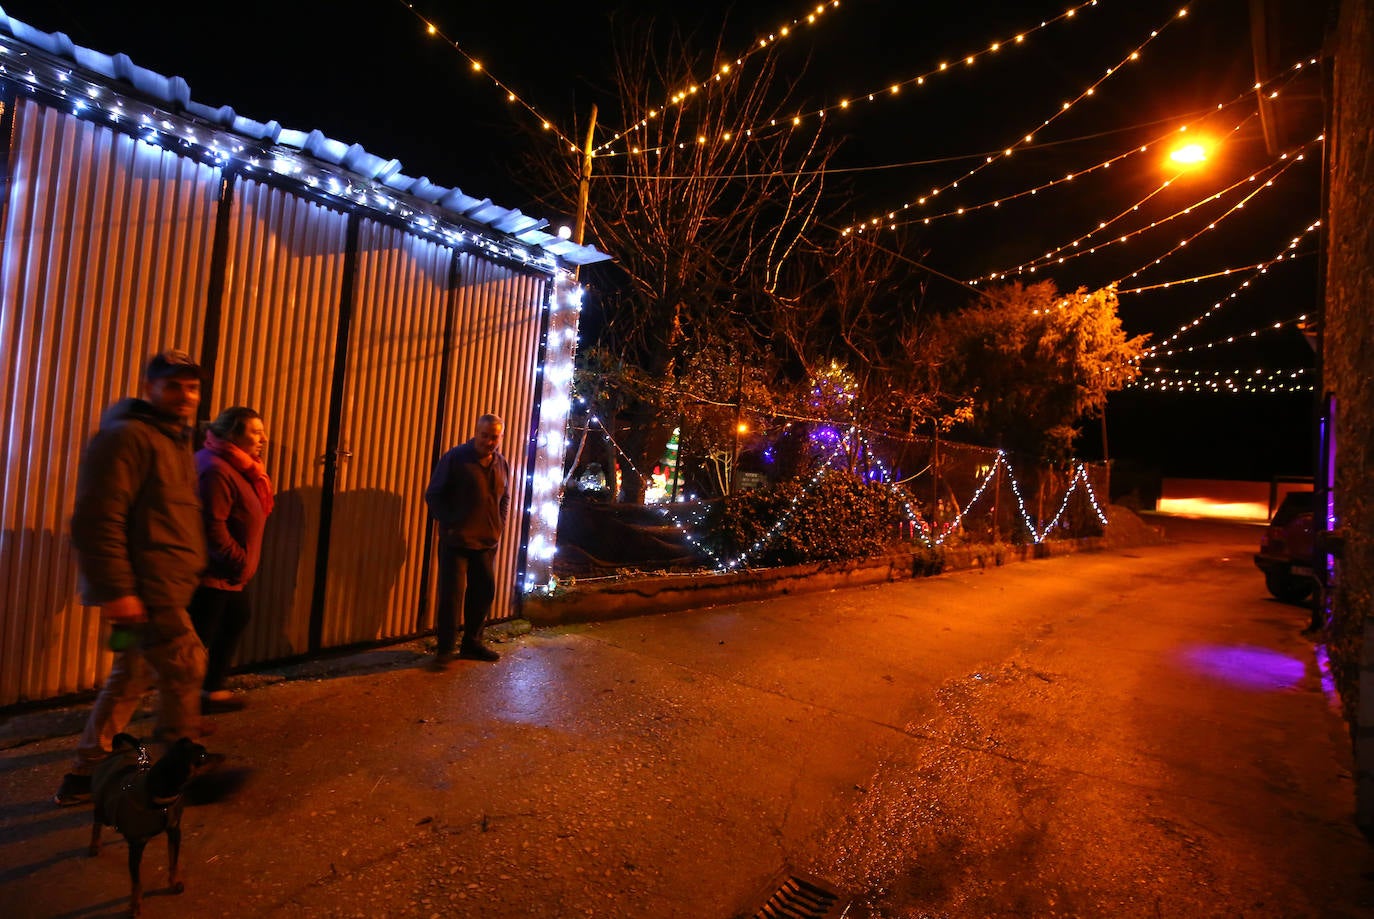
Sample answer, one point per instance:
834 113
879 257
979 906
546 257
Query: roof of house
367 179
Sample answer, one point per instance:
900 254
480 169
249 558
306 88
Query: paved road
1132 733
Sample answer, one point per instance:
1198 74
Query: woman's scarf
254 470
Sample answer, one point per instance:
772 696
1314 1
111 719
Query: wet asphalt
1138 732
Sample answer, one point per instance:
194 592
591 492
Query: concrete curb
637 596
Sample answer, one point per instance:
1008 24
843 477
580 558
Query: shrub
839 517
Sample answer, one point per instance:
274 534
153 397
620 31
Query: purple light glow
1245 667
825 434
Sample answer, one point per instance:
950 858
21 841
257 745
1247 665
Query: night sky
365 71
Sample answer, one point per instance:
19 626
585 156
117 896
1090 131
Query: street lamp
1190 155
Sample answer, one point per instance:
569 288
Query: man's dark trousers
469 574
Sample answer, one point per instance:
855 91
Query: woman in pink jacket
235 497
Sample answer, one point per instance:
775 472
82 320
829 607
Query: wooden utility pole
584 189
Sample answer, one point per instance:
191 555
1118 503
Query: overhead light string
1035 265
721 72
1283 255
431 28
893 223
1298 322
1224 272
1222 381
1056 256
1029 137
1195 119
888 90
1289 162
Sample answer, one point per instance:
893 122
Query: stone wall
597 600
1348 340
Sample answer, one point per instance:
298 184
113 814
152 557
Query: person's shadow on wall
367 553
44 630
281 591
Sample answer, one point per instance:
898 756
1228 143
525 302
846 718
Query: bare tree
703 206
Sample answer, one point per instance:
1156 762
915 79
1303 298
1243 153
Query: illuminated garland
1185 386
1255 381
1225 272
1278 167
1240 205
893 223
1026 139
740 560
1284 254
927 534
1080 474
723 71
1053 255
477 67
1230 339
887 91
555 404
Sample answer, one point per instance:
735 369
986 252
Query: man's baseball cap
172 363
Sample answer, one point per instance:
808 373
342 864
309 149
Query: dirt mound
1125 528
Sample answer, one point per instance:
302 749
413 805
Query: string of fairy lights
1028 138
927 535
1286 254
690 87
1058 256
1197 279
1297 322
1055 256
1238 206
432 28
893 223
1259 380
888 90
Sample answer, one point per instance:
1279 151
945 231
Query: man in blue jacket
140 548
469 497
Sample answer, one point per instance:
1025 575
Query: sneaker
477 652
75 789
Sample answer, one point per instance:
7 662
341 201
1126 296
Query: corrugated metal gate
367 349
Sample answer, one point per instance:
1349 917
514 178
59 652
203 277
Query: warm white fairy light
432 28
1166 379
721 72
1072 244
1056 257
1283 255
965 60
1197 279
1028 138
1298 322
1289 161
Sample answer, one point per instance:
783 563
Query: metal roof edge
175 93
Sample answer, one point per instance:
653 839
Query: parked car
1287 549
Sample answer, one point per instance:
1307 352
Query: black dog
141 801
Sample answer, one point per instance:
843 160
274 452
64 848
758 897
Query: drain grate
799 896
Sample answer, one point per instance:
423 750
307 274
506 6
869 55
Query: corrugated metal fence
366 348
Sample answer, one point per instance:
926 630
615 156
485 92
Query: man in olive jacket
140 546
